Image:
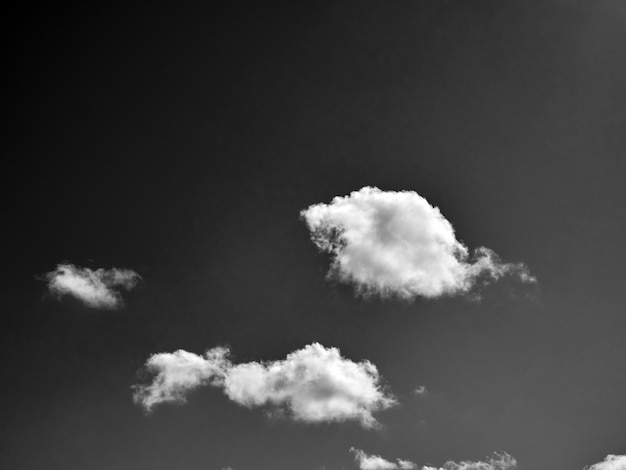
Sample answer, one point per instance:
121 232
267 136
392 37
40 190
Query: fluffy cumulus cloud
376 462
313 384
611 462
97 289
498 461
396 243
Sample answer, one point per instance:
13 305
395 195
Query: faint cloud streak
96 289
497 461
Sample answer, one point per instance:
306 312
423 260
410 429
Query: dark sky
183 143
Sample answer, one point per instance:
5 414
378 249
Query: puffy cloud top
396 243
610 462
376 462
313 384
96 289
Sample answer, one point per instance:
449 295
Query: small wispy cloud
376 462
314 384
394 243
497 461
96 289
421 391
610 462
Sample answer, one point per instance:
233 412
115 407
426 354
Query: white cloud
313 384
421 390
96 289
498 461
180 372
376 462
396 243
611 462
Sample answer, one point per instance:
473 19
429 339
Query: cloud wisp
394 243
314 384
610 462
497 461
376 462
96 289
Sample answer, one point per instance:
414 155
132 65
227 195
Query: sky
331 235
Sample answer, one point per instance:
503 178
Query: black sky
183 143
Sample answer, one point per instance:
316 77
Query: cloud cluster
498 461
96 289
376 462
313 384
611 462
396 243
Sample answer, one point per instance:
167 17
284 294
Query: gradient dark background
183 143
